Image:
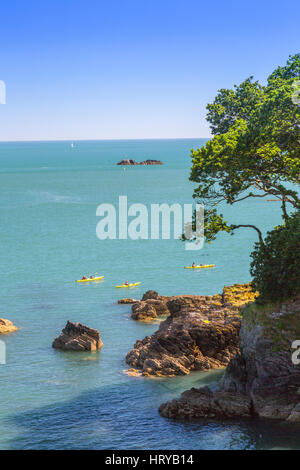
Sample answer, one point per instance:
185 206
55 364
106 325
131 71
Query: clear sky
95 69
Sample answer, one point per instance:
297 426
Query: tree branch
250 195
261 240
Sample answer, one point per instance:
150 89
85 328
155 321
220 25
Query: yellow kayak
128 285
200 266
89 280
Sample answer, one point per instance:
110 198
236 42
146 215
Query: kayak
129 285
199 267
89 280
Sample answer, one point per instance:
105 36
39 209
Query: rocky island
129 161
261 379
78 337
200 332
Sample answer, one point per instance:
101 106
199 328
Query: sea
50 399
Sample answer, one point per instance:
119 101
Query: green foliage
230 105
276 263
255 149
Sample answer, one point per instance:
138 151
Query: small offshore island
145 162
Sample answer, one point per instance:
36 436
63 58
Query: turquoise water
49 399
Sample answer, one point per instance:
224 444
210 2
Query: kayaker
193 265
84 278
126 283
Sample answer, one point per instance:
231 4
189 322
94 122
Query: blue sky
122 69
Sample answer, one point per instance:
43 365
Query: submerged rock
200 333
6 326
78 337
262 379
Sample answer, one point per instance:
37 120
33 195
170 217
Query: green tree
275 267
255 149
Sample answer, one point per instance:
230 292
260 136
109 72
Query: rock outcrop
151 162
78 337
149 308
129 161
200 333
262 379
127 301
6 326
203 403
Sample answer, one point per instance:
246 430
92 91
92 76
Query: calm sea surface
49 399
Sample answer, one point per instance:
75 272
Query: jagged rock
127 161
127 301
203 403
151 162
78 337
150 294
263 373
6 326
231 298
143 311
200 333
149 310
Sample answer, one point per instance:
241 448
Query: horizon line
99 140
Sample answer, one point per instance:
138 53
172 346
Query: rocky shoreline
261 380
200 332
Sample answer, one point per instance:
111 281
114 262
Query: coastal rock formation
151 162
149 308
203 403
200 333
129 161
127 301
262 380
6 326
152 305
78 337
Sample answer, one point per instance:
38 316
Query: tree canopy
255 149
275 265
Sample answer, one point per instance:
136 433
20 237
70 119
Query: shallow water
49 399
